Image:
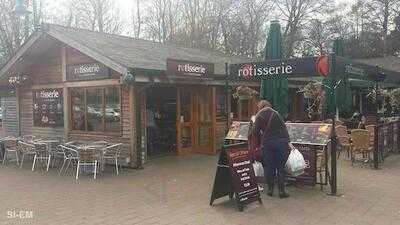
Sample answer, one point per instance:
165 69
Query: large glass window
96 109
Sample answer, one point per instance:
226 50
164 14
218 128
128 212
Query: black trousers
274 157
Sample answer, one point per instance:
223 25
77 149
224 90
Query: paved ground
176 190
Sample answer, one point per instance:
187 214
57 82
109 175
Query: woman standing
274 139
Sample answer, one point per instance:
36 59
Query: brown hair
263 103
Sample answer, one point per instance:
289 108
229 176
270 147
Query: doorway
161 121
194 120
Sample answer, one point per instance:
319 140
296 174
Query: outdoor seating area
86 157
359 143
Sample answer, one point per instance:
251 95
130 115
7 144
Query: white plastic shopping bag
295 163
258 169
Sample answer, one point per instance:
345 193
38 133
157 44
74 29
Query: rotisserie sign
48 108
187 68
88 71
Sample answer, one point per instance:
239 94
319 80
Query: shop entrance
161 121
194 124
179 120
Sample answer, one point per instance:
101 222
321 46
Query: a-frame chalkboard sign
235 176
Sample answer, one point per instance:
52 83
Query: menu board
238 131
48 108
243 177
235 176
309 133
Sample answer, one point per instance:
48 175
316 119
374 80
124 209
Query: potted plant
243 92
315 96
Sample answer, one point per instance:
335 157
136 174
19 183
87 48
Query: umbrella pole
333 138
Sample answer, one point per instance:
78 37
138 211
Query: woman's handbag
295 164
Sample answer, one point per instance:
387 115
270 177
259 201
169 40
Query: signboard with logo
280 68
188 68
48 108
235 176
87 71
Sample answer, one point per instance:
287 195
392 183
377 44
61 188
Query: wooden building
74 84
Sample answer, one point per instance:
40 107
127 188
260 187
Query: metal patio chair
69 154
343 138
88 157
360 144
41 153
112 152
10 147
26 150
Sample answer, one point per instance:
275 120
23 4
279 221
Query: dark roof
143 54
389 62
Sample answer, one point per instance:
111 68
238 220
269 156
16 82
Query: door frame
194 124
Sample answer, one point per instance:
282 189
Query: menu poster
235 176
238 131
243 178
48 108
309 133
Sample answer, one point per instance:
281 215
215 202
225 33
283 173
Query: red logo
246 71
322 65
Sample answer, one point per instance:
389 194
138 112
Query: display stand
312 140
235 176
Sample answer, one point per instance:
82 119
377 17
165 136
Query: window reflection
113 109
94 110
78 109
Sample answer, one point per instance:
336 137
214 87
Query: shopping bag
258 169
295 163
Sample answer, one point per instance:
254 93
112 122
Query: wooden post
132 127
213 119
18 106
66 104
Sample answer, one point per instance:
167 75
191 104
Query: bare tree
296 14
97 15
14 30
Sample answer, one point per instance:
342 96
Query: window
96 109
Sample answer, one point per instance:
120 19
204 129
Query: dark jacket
271 127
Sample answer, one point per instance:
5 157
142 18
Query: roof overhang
39 42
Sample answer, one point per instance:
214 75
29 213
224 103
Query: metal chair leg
77 171
16 157
69 162
95 169
34 161
48 163
116 166
22 161
5 157
62 167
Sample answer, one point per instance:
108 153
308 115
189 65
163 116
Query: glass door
185 121
203 111
194 120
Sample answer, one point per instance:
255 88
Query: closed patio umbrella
343 91
275 90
